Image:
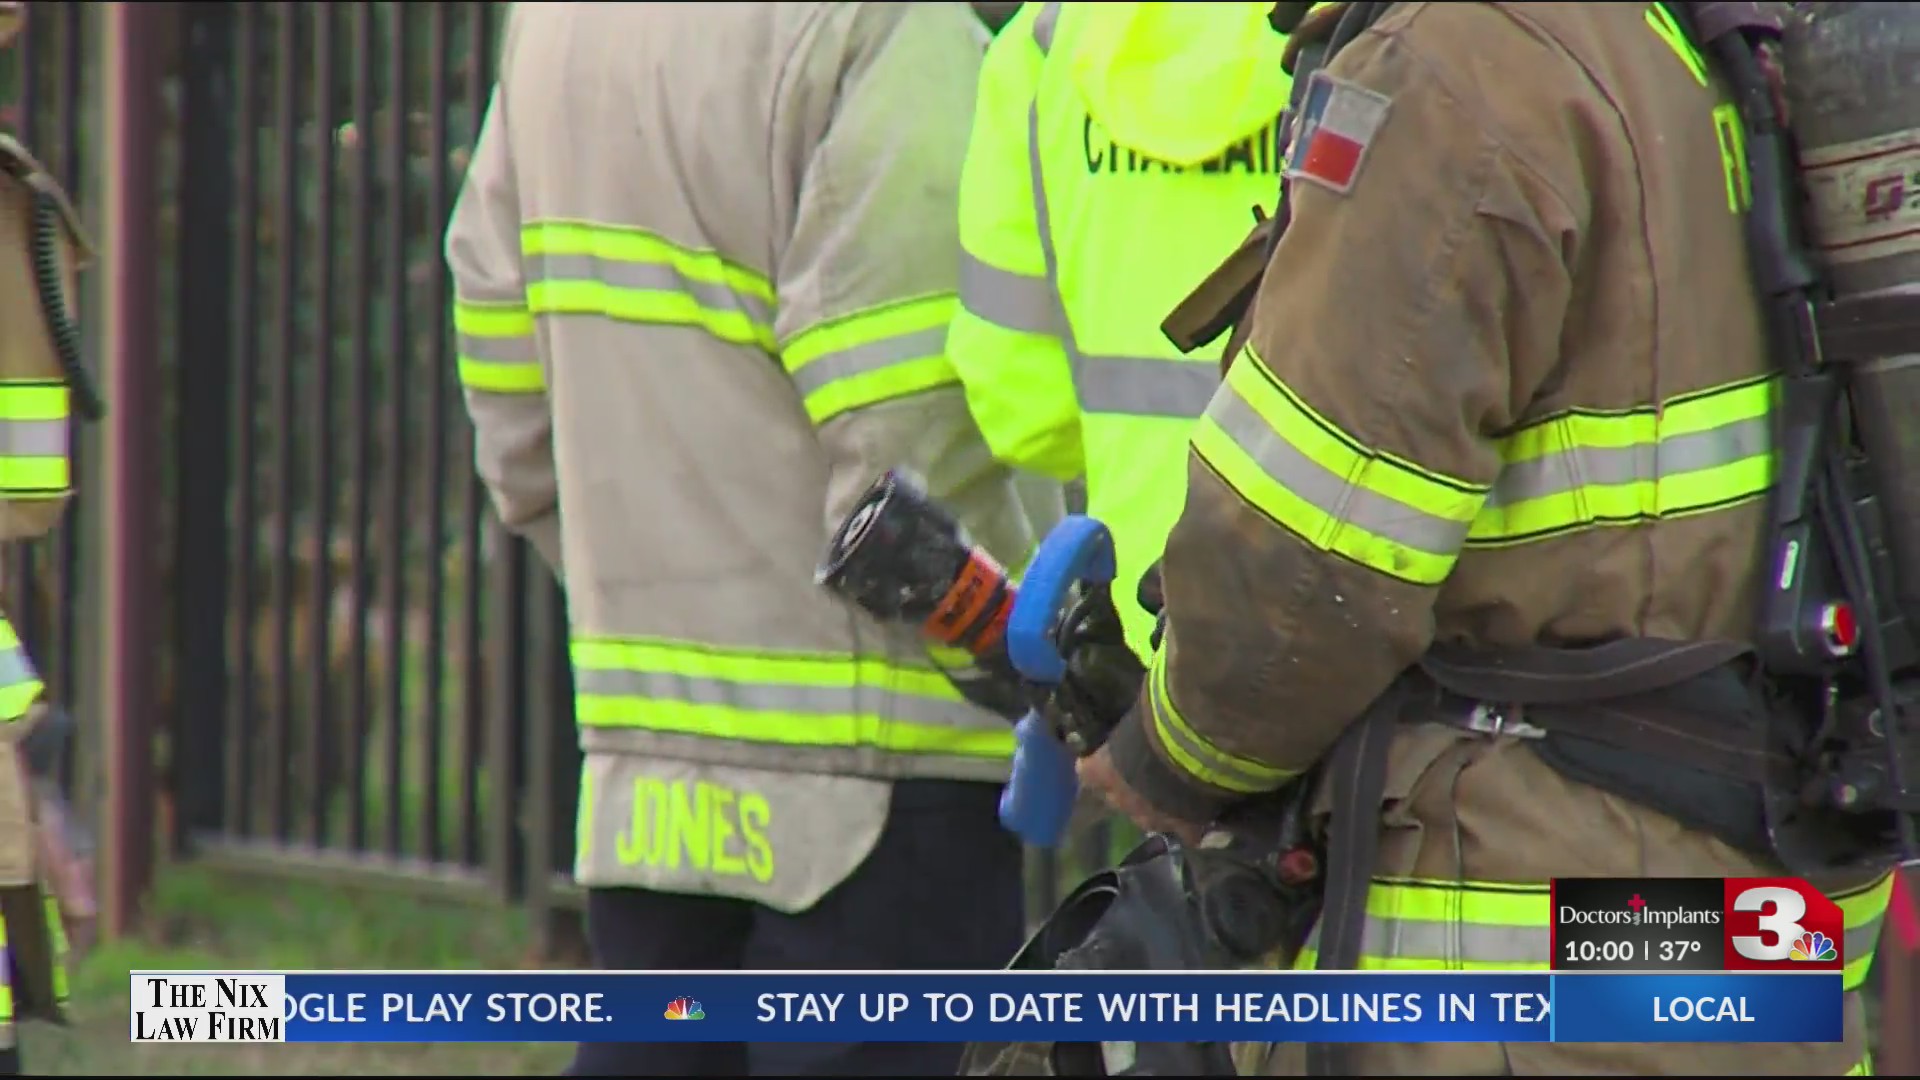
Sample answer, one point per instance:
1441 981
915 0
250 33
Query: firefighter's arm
1008 341
867 282
1405 321
501 377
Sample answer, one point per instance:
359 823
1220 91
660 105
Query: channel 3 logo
1781 924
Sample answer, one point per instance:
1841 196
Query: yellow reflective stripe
6 976
1196 756
1728 130
34 399
34 416
583 818
57 938
1321 484
1663 23
578 268
1863 1068
1862 913
792 699
872 356
1731 133
20 684
34 477
1423 925
1696 453
496 347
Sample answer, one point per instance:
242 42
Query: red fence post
132 77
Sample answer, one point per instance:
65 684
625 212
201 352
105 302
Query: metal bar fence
357 737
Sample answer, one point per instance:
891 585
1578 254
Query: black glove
1153 598
1103 676
45 745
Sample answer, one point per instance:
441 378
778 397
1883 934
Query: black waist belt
1622 695
1619 694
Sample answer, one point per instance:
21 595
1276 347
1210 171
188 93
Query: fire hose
1047 655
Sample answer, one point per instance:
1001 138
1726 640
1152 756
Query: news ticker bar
1280 1006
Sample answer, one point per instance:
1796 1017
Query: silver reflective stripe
1221 770
1568 470
869 356
786 757
519 349
657 277
16 668
33 438
495 299
1443 943
1329 492
777 698
1862 941
1145 386
1124 385
1011 301
1043 24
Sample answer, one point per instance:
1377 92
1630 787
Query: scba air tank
1853 95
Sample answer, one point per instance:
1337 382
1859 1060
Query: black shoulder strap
1812 488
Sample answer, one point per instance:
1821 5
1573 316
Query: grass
199 920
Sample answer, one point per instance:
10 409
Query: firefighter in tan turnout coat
705 263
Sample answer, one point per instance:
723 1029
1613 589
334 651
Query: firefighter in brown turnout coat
1505 385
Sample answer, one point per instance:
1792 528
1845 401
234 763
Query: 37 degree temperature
1672 952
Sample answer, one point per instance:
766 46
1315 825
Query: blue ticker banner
354 1007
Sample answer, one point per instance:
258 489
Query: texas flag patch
1338 121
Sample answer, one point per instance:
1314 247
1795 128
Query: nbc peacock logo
685 1009
1812 947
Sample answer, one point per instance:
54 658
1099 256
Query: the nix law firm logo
208 1007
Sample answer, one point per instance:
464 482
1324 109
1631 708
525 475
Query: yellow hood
1180 82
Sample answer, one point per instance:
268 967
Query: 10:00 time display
1623 952
1606 952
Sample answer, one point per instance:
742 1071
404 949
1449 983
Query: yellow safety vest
1117 153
